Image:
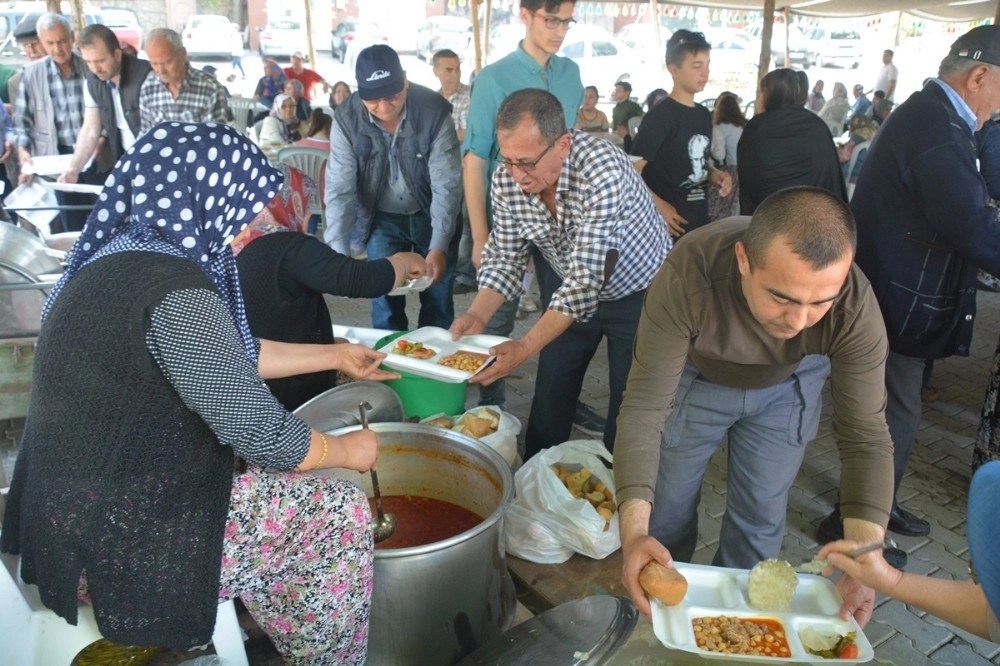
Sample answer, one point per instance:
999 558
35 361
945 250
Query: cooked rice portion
772 586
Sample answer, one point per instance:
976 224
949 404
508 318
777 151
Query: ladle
385 524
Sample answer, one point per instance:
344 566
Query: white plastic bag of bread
495 428
569 506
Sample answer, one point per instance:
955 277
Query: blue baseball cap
379 72
982 527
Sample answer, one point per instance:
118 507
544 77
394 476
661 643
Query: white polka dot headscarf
184 190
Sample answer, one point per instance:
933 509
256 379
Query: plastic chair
633 125
35 636
242 109
855 156
312 163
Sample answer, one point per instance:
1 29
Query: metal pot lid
588 632
338 407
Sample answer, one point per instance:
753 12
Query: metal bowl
338 407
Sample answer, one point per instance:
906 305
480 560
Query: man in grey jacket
48 112
395 176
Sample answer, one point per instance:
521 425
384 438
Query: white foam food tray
439 340
714 591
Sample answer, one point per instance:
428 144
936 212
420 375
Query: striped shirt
601 205
202 99
67 105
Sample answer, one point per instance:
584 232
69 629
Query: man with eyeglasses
674 140
533 64
576 201
395 173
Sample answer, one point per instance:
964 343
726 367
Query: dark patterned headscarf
183 190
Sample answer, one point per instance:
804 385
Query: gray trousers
903 379
767 429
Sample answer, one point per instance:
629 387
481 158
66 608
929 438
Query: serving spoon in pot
385 524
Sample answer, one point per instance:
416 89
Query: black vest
274 315
426 110
134 72
116 476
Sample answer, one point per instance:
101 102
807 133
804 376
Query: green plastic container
423 397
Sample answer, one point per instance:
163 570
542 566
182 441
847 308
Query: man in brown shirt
740 328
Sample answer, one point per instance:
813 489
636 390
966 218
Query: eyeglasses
526 167
392 99
554 22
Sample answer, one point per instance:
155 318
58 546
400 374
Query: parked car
350 29
207 35
503 40
125 24
836 47
365 35
603 60
641 38
443 32
281 37
800 51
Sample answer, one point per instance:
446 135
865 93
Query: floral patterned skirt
298 551
987 445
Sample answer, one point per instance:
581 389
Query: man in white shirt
887 76
110 101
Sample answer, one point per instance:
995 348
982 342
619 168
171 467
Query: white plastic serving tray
714 591
440 341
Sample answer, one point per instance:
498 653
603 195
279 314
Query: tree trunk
765 40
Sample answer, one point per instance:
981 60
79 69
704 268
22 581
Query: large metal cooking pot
26 251
436 603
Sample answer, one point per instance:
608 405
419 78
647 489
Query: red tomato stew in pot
754 636
422 520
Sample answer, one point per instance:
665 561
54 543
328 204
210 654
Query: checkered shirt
67 105
460 101
601 205
202 99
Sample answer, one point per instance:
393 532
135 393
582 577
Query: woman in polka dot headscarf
147 384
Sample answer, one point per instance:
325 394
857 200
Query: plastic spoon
817 566
385 524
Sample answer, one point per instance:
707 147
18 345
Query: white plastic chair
855 156
241 108
633 125
32 635
312 163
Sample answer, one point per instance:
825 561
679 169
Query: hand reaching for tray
508 355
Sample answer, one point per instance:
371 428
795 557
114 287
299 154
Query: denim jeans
391 233
501 323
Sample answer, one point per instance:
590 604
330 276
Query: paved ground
935 487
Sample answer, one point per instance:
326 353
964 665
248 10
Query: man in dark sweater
923 230
110 101
624 111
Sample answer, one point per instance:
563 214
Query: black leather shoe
895 557
903 522
831 528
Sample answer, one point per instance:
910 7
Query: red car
125 24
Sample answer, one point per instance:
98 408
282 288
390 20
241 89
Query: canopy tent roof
941 10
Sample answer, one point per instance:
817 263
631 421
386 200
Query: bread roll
664 584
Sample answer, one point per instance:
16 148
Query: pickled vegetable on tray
414 349
829 646
582 484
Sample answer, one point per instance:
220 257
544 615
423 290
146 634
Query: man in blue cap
395 172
